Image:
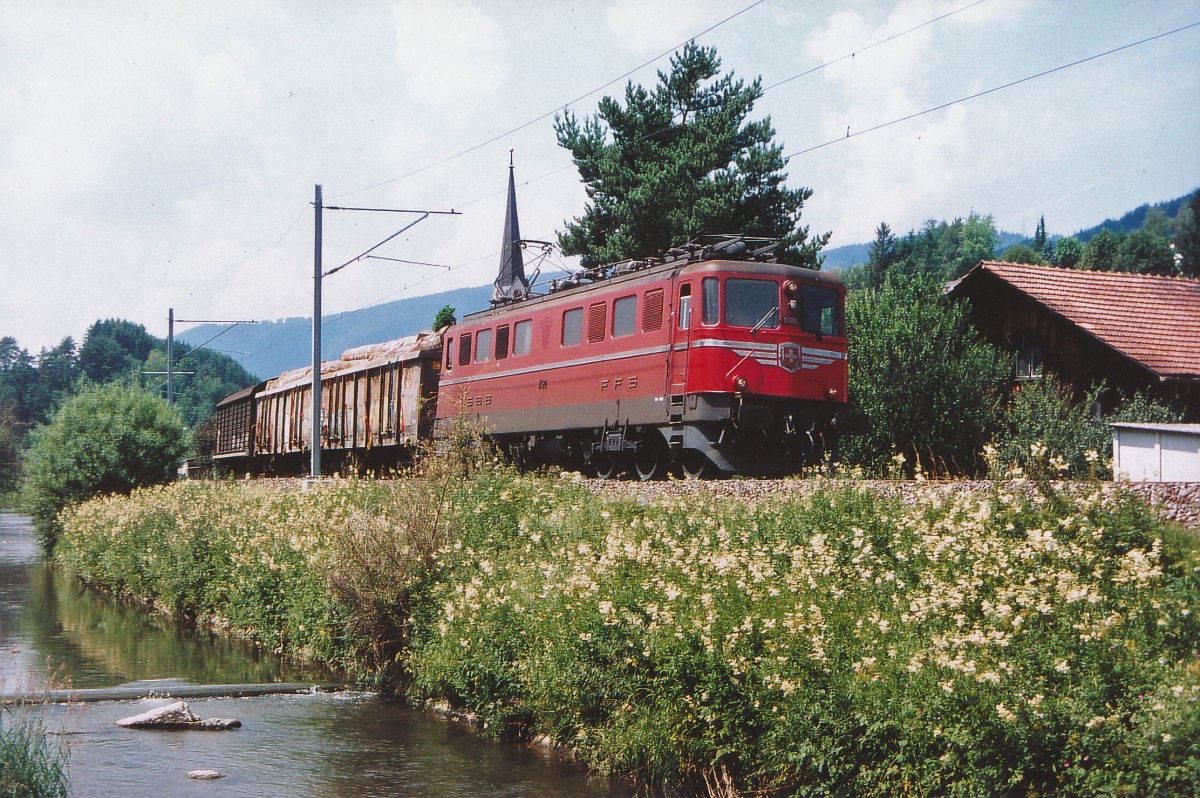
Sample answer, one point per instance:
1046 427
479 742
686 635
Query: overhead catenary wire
848 135
992 90
624 75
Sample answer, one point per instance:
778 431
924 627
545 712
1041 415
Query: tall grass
31 765
1017 643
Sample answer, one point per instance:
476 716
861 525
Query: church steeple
511 281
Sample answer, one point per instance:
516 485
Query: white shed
1156 452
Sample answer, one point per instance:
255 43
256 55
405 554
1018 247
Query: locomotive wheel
695 465
650 461
606 465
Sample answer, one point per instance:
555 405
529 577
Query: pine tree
1039 237
881 256
679 161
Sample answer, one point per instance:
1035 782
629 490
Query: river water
341 744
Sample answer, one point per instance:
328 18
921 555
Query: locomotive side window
710 312
819 312
752 303
522 337
685 306
502 334
483 346
652 311
449 354
572 327
597 316
624 316
464 349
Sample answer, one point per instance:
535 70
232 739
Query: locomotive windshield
752 303
819 311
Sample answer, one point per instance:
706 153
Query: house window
522 337
1029 362
624 316
572 331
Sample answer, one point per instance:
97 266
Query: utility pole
315 431
315 440
170 344
170 372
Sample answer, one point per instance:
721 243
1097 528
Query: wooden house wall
1011 321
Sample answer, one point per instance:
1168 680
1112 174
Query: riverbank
844 641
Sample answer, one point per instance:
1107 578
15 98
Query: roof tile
1154 320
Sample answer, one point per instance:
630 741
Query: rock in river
176 716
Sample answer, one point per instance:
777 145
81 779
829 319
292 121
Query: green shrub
928 386
108 439
1048 432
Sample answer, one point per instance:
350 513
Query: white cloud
651 26
451 51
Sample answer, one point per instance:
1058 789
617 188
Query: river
334 744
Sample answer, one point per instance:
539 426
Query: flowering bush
252 558
1023 642
1003 644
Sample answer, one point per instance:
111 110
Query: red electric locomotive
712 360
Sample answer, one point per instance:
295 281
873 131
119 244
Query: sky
161 155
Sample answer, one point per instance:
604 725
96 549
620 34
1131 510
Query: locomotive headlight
790 288
832 393
739 383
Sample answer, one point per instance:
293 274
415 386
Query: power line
548 114
873 45
642 138
992 90
765 89
813 148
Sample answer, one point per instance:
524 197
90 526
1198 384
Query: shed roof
1151 319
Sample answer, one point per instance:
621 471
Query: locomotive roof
649 274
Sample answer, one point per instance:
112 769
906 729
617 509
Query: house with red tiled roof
1137 332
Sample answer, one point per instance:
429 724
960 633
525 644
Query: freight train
713 359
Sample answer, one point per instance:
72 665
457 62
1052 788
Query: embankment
799 638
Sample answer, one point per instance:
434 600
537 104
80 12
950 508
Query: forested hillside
33 387
1152 239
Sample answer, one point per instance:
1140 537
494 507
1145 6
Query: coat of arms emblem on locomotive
790 357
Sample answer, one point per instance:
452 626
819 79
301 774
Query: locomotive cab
758 367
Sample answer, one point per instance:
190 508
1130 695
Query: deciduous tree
108 439
1187 240
1068 252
